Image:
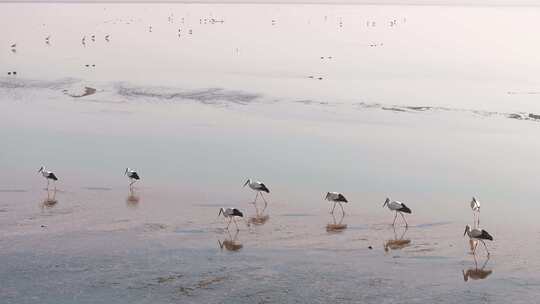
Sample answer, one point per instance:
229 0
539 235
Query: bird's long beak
385 203
126 171
247 182
40 169
220 212
465 232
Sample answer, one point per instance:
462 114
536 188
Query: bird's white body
256 185
228 212
336 198
47 174
395 205
475 205
132 175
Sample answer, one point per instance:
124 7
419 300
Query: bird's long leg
230 220
485 246
47 184
256 196
265 203
234 220
406 224
342 210
54 186
395 217
332 211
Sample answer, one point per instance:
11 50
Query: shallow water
427 105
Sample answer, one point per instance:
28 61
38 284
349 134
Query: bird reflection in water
336 226
260 218
230 243
50 201
477 273
397 243
132 199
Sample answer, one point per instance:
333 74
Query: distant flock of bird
475 234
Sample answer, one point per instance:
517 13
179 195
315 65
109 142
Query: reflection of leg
342 210
332 211
257 213
406 224
395 217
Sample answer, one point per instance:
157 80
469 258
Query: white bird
475 206
132 175
231 214
258 187
336 198
398 207
48 175
477 234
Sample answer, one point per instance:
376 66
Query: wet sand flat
376 102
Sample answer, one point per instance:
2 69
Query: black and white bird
13 45
475 207
258 187
48 175
132 175
398 207
478 235
336 198
231 214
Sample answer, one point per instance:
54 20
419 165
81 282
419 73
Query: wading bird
257 187
398 207
49 175
336 198
132 175
478 235
475 206
231 214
